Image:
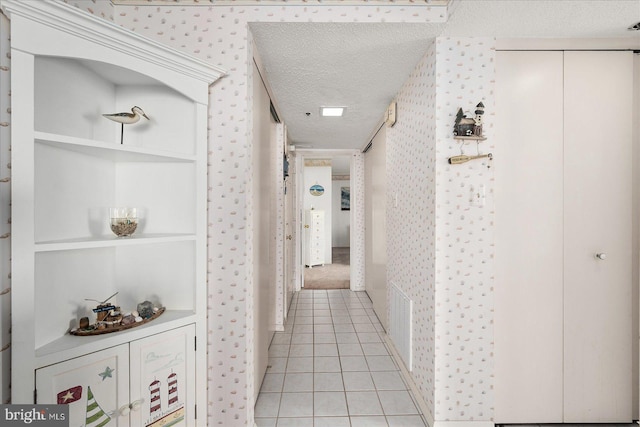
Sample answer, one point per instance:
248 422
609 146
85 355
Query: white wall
636 232
320 175
464 235
375 187
264 228
339 218
440 249
284 253
5 212
411 180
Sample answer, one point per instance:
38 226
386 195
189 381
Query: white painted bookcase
69 168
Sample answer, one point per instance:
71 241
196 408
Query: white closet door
597 219
528 292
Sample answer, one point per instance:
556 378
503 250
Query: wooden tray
91 332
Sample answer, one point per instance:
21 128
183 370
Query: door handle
306 226
135 406
601 256
124 410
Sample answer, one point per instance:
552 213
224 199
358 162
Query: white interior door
597 219
529 269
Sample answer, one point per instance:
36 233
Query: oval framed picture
316 190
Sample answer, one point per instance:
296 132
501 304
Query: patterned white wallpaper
463 305
357 227
280 232
440 248
101 8
219 34
411 225
5 211
464 255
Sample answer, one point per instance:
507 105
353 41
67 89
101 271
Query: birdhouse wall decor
467 129
467 126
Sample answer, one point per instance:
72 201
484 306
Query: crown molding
71 20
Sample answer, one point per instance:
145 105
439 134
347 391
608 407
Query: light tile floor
331 368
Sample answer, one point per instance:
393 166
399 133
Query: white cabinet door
597 219
163 379
95 387
563 317
529 269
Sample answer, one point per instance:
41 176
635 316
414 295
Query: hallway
330 367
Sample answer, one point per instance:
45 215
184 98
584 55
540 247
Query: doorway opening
327 223
330 276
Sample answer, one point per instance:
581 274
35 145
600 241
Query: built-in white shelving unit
69 167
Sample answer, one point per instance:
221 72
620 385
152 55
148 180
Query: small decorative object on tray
124 221
109 318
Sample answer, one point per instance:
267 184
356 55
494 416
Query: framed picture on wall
345 198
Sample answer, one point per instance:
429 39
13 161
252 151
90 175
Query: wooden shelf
111 151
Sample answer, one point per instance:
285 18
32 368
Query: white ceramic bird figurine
127 118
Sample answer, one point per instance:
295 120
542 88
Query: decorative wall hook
458 160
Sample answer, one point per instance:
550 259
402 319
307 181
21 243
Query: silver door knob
601 256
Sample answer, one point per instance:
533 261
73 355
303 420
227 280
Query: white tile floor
331 368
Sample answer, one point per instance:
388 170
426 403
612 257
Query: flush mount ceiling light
332 111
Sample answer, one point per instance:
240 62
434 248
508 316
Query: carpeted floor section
330 276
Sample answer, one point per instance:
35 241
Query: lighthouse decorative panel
94 386
163 379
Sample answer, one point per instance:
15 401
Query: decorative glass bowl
124 221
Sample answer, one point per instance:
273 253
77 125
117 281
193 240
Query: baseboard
463 424
422 404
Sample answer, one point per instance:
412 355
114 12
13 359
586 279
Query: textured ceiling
543 18
362 66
